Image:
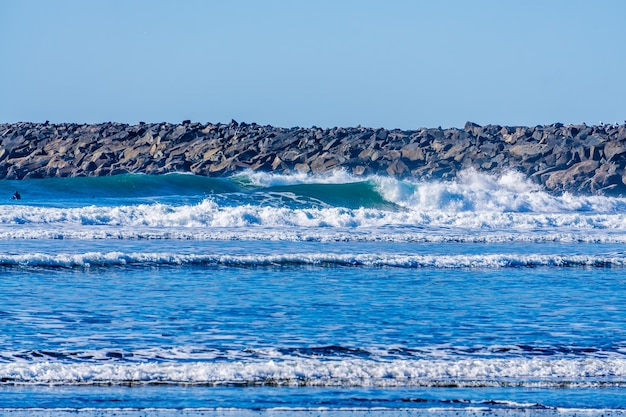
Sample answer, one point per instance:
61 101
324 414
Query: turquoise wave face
190 189
351 196
120 190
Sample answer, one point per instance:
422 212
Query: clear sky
388 63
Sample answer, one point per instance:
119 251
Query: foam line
312 259
348 372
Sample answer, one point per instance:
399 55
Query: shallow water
265 294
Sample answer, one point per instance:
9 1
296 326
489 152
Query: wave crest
345 373
312 259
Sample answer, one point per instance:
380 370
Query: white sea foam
209 214
313 372
312 259
300 234
268 179
478 192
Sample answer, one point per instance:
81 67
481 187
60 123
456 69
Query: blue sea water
263 294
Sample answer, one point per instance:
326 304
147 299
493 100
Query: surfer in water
17 196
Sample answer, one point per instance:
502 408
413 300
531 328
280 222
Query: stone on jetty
561 158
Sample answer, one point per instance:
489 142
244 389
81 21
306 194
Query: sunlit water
261 294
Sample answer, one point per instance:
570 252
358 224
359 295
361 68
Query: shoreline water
574 158
312 413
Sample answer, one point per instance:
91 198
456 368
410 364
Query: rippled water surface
261 293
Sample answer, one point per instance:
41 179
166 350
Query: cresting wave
254 200
469 191
476 372
382 234
107 259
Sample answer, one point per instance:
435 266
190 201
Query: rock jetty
572 158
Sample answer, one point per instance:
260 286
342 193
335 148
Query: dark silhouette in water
17 196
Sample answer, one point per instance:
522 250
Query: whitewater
310 295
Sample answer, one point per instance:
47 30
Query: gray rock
574 177
614 151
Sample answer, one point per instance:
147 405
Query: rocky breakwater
574 158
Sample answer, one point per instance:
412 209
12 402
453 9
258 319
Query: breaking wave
471 202
107 259
536 372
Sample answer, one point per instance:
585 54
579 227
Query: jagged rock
574 177
303 168
528 153
397 168
607 180
412 152
614 151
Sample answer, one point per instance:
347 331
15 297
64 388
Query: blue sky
393 64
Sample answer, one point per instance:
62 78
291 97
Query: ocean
329 295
